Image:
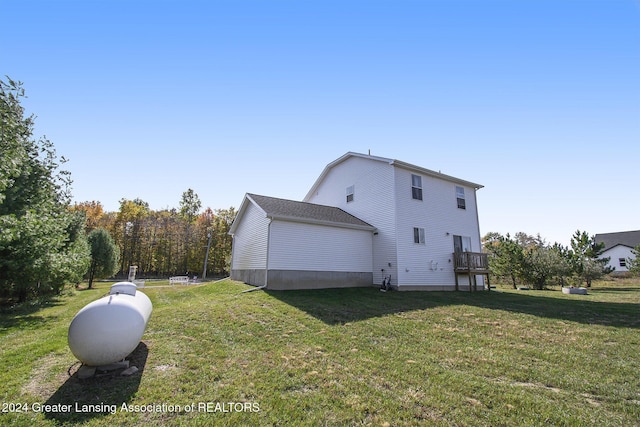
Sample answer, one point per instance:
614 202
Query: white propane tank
109 329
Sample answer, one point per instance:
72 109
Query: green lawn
212 355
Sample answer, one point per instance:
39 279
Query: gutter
321 222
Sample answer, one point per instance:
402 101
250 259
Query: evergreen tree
506 256
104 255
633 264
584 254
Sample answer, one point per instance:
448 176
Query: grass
339 357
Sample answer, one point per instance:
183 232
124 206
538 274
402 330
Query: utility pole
206 257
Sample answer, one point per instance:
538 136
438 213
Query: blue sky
537 100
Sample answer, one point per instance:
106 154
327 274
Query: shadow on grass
21 316
338 306
98 396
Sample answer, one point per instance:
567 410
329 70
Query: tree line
46 242
530 260
166 242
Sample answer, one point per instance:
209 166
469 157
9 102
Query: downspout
266 270
233 249
475 196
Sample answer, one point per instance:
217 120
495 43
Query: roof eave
321 222
432 173
243 207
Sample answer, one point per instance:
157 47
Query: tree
128 230
189 208
543 263
506 256
42 243
93 212
190 205
633 264
104 255
584 254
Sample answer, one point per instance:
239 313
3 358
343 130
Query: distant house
618 246
365 219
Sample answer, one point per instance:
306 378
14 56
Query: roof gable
396 163
625 238
290 210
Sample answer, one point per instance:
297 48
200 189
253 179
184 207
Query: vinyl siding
615 253
310 247
250 240
373 202
431 263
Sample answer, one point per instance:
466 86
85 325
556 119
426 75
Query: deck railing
470 261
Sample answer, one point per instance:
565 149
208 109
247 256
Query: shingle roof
307 212
626 238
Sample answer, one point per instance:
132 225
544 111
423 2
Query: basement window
350 194
462 204
416 187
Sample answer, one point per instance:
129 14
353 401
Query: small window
623 262
350 194
416 187
418 235
460 198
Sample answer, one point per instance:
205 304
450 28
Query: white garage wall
310 247
250 240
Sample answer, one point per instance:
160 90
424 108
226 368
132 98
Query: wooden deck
472 264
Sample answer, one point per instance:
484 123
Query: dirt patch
48 374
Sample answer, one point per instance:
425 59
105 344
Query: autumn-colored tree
94 214
169 241
128 229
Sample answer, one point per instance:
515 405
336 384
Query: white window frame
418 235
416 187
460 199
350 193
622 262
463 243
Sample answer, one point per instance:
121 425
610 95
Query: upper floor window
460 198
350 194
418 235
416 187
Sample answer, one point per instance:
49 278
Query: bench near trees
181 280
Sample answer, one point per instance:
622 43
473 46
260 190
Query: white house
617 247
366 218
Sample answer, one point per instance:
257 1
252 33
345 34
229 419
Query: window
418 235
460 198
461 244
623 262
350 194
416 187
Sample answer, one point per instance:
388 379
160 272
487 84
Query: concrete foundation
462 287
255 277
301 279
